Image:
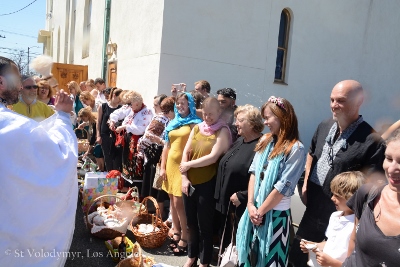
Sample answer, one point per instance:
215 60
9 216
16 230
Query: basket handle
87 134
144 203
94 201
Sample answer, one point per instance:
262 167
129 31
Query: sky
21 28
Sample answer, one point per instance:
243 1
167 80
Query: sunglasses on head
28 87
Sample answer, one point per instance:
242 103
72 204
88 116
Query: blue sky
21 28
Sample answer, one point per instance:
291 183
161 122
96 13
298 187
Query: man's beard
11 96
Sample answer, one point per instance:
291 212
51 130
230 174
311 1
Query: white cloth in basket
146 228
97 218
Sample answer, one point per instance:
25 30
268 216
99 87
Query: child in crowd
333 251
88 122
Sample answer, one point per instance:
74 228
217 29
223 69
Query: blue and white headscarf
178 121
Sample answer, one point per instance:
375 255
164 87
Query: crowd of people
222 174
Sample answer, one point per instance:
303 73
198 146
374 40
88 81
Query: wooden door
112 74
64 73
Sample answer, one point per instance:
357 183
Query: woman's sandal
194 264
180 250
173 242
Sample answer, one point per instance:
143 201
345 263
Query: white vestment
38 189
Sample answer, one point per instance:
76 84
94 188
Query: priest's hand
63 102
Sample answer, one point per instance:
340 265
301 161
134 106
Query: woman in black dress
233 176
375 240
106 137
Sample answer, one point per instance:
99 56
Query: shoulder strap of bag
223 233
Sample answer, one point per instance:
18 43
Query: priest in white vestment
38 189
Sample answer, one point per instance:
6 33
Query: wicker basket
107 233
153 239
83 144
135 259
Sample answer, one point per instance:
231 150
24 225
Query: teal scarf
265 231
178 121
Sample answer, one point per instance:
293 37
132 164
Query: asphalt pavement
87 250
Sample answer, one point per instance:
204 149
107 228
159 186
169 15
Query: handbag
254 251
119 139
157 183
230 256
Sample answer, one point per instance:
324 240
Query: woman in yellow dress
177 133
208 141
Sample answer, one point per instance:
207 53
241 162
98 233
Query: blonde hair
87 112
132 96
346 184
253 116
211 101
74 85
393 137
90 82
87 96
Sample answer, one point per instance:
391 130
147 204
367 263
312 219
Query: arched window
283 40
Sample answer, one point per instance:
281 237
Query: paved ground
92 251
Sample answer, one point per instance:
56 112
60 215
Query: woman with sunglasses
28 104
276 168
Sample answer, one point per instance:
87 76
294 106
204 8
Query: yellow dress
177 139
201 146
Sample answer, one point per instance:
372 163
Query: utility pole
29 47
28 60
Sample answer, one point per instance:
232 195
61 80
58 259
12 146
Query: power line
17 48
30 36
18 9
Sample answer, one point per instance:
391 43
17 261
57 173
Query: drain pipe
106 37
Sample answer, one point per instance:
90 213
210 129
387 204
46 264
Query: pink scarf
208 130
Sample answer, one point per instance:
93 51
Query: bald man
343 143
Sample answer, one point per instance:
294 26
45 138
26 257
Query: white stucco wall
136 27
58 21
233 44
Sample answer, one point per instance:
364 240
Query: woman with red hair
277 165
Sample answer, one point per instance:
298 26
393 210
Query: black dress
233 177
108 140
373 248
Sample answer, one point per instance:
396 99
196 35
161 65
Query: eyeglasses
28 87
330 155
262 173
